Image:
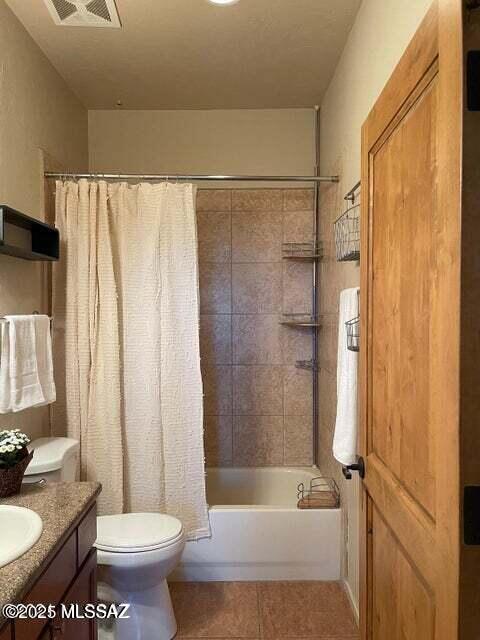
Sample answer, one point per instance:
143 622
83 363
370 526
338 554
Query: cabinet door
6 633
82 591
47 633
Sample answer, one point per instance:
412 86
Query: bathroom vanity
59 569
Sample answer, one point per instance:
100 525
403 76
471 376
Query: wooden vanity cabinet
82 591
69 578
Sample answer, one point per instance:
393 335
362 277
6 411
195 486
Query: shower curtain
126 307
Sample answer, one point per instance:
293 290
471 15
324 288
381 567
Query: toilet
135 551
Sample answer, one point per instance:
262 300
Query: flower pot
11 478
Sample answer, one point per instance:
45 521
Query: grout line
259 612
231 330
282 278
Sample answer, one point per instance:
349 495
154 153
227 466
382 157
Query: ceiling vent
84 13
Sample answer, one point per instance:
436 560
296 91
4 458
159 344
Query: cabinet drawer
87 534
50 588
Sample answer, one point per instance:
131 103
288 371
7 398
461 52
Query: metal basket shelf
299 320
347 235
353 334
307 365
322 493
302 251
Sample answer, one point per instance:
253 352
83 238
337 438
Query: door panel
404 274
404 607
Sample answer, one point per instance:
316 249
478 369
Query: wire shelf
347 235
353 334
322 493
307 365
300 320
305 251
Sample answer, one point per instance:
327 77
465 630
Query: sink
20 529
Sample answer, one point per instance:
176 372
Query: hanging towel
5 396
26 375
43 342
345 438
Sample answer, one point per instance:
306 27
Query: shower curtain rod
137 176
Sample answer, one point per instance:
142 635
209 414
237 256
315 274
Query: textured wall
257 404
376 42
37 111
250 141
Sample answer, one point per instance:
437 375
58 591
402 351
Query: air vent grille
64 8
84 13
100 9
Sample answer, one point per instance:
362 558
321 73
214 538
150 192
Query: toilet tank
54 460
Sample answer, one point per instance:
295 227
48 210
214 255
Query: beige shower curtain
126 306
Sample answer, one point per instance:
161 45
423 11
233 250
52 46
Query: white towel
345 438
26 370
5 396
43 336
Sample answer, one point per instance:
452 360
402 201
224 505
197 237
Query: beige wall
37 111
267 142
378 38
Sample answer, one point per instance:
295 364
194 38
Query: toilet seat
137 532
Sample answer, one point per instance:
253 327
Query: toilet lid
129 532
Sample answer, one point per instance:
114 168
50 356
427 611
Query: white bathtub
259 534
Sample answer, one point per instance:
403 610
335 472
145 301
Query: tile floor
221 610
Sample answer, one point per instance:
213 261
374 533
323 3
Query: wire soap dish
353 334
322 493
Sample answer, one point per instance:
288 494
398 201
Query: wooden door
419 408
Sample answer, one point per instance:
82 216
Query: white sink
20 529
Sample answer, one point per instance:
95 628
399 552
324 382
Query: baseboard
252 572
353 601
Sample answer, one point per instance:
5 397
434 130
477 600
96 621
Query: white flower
3 449
13 436
19 446
10 448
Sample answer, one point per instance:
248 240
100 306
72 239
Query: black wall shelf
44 238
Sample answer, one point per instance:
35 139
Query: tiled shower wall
258 405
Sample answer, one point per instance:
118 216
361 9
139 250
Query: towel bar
35 313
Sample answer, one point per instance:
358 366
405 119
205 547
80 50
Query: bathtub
259 534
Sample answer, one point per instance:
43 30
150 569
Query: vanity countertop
60 505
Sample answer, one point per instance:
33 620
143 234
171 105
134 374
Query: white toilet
136 552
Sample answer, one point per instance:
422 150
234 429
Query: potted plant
14 459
